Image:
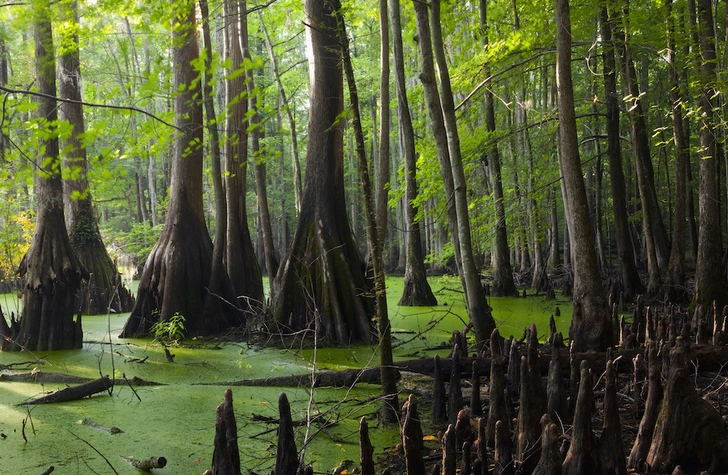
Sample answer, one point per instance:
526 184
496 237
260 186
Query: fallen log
147 464
709 358
335 379
73 393
42 377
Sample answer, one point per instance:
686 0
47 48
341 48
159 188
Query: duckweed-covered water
177 420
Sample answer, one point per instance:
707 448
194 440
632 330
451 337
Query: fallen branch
73 393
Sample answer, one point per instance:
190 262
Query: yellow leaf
430 437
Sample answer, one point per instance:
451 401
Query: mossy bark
103 291
322 281
178 270
51 270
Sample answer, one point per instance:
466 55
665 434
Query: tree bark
503 283
50 269
417 289
172 281
591 324
242 264
709 277
630 277
321 283
442 120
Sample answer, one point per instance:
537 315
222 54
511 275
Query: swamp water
177 420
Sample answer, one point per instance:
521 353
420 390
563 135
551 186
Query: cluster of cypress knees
552 433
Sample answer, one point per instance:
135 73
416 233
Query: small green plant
170 332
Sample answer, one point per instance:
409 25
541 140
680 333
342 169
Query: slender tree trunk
503 283
271 263
417 290
480 314
630 277
297 186
709 277
676 269
242 264
390 402
591 323
383 177
219 281
654 229
51 270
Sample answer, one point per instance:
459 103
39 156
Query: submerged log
74 393
226 455
689 431
42 377
335 379
147 464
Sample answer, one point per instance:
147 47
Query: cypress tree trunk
676 268
242 264
709 276
321 283
442 117
503 284
416 290
51 270
630 277
591 323
173 281
103 290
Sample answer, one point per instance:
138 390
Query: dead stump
497 410
412 437
226 455
611 449
689 431
287 456
366 451
582 456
